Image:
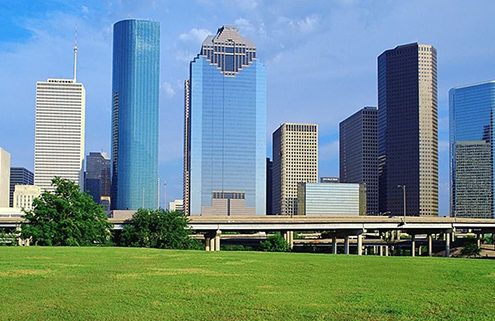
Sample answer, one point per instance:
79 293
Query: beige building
295 160
177 205
4 178
59 131
24 196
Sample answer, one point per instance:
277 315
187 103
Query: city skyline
284 98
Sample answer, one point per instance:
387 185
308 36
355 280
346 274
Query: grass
143 284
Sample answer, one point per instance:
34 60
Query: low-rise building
24 196
331 199
177 205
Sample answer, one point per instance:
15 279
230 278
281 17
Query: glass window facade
471 150
329 199
135 90
225 127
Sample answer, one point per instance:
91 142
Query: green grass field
141 284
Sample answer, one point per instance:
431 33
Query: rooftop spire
75 54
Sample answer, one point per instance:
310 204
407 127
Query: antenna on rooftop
75 54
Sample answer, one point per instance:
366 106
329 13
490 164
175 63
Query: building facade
358 150
135 114
331 199
19 176
4 178
471 150
176 205
24 196
295 160
59 131
97 179
225 126
408 130
269 183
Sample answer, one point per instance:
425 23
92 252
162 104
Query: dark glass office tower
135 89
359 153
408 130
471 150
19 176
97 179
225 142
269 168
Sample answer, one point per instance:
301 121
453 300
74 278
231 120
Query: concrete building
408 130
471 150
97 179
225 127
358 151
24 196
4 177
135 114
59 132
331 199
329 180
295 160
177 205
19 176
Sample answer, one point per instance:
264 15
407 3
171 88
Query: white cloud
243 24
195 35
308 24
84 9
169 90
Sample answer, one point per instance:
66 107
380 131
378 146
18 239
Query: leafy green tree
471 250
66 217
275 243
158 229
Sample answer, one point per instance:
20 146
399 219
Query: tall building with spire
408 130
59 130
225 128
135 114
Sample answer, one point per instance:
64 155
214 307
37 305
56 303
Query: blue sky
320 58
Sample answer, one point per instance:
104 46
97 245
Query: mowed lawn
49 283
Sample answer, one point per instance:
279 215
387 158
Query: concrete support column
447 244
419 250
212 243
217 240
386 250
430 245
207 243
478 239
381 250
291 239
413 245
285 235
334 245
360 244
346 244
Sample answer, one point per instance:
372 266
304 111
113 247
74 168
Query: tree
471 250
66 217
275 243
158 229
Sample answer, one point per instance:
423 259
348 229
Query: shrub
471 250
275 243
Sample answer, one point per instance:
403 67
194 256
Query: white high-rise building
59 133
4 178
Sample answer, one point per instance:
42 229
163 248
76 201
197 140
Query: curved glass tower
225 115
472 150
135 87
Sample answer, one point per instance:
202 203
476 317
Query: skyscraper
19 176
97 180
4 177
295 160
59 132
359 153
269 185
135 90
408 129
471 150
225 145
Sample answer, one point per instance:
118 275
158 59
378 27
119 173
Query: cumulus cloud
195 35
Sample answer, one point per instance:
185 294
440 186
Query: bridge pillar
291 239
346 244
413 245
430 245
387 250
381 250
334 245
207 242
217 240
447 244
419 250
478 239
360 244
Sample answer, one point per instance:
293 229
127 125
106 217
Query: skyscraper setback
135 114
225 126
97 180
359 153
471 150
60 130
408 129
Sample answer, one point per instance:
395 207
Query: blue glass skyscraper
135 88
225 128
471 150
